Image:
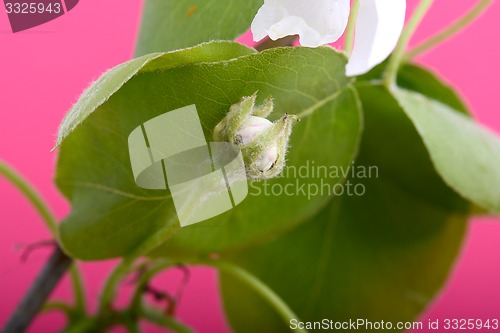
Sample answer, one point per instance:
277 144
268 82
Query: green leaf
464 153
173 24
419 79
111 216
380 256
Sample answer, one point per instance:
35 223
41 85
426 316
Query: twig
38 293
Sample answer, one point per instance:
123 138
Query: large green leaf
464 153
173 24
111 216
379 256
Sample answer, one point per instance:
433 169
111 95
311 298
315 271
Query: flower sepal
263 143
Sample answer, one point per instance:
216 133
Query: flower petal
317 22
378 27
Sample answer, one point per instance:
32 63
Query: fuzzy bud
263 144
250 129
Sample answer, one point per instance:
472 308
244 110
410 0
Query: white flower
317 22
378 27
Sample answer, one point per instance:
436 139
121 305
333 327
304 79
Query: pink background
43 71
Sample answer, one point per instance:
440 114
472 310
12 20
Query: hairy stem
258 286
450 31
351 27
398 54
38 293
50 221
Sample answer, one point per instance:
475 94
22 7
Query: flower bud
263 144
250 129
267 159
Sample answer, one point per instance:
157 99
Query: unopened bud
263 144
250 129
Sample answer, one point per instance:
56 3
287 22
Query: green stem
398 54
448 32
258 286
144 279
31 194
50 221
84 326
132 326
78 289
58 306
124 267
111 284
351 27
102 321
164 321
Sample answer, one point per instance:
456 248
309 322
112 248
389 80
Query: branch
38 293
